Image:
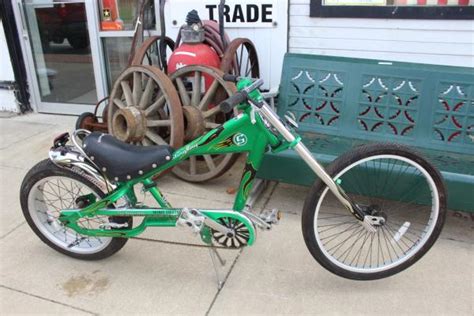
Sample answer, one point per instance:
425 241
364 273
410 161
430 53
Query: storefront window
117 52
117 29
396 9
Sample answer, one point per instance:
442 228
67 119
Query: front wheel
387 181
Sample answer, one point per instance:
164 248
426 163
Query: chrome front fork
307 156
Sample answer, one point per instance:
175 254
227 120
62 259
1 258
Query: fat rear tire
45 169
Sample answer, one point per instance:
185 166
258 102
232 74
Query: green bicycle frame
245 133
250 133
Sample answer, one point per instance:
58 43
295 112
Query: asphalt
275 276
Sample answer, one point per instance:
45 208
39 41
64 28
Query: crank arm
216 226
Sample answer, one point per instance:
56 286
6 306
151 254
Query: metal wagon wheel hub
194 123
145 109
201 89
129 124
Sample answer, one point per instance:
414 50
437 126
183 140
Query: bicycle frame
237 135
246 133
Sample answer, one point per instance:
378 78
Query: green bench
342 102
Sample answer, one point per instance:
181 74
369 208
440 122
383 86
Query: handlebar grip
228 104
231 78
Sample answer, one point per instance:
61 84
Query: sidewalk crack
12 230
48 299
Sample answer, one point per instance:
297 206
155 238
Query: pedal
191 218
271 217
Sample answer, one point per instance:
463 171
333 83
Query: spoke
239 61
137 87
335 235
210 163
158 123
127 93
359 252
211 112
56 194
192 165
249 72
119 103
211 125
333 216
196 96
146 142
147 94
393 241
155 106
155 137
351 246
208 96
248 69
369 252
182 92
333 226
340 244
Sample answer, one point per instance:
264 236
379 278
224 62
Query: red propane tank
194 54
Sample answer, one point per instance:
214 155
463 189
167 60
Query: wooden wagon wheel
201 89
240 58
149 52
144 108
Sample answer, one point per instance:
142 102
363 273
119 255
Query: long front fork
307 156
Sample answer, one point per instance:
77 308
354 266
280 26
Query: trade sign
237 13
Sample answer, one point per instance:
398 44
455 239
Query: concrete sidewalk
276 276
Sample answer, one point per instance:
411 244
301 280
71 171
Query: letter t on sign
211 8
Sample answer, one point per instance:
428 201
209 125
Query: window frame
317 9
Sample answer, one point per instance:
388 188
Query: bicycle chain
177 243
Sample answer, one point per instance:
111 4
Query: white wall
271 42
443 42
7 97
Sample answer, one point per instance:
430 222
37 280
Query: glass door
61 44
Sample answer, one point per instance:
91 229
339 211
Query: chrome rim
410 219
52 194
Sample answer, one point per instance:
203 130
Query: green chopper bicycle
358 221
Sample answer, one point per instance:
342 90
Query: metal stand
217 260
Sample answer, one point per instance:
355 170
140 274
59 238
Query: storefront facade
74 49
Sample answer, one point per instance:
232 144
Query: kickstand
215 256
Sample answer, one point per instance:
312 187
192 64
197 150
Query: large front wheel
387 181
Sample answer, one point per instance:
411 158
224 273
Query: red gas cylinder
194 54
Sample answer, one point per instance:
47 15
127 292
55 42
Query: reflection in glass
117 51
60 44
119 15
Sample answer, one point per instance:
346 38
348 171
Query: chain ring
240 231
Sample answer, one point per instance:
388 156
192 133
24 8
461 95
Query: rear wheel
387 181
45 191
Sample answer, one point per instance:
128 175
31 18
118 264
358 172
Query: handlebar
231 78
228 104
240 96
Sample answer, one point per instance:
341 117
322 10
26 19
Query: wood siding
442 42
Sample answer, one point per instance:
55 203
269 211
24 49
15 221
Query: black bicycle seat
121 161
